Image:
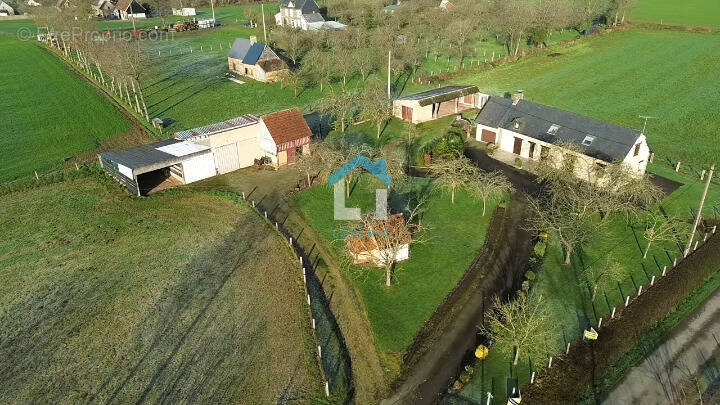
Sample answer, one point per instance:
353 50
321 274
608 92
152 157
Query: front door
291 156
517 146
407 113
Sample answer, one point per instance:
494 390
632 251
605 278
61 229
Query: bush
452 143
539 249
491 148
518 163
530 275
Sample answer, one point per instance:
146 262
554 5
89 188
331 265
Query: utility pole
699 214
262 10
389 60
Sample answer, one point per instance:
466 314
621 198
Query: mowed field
109 298
617 77
685 12
49 114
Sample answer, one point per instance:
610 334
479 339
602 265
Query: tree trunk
308 178
594 293
388 274
484 204
379 124
452 195
568 253
647 249
517 356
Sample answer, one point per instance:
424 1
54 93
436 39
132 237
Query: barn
437 103
149 168
285 135
235 143
255 60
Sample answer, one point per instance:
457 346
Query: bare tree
452 174
340 105
659 228
520 326
601 273
294 42
490 187
390 237
375 105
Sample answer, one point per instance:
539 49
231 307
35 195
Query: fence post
567 349
308 299
677 167
550 362
532 377
327 389
664 270
652 280
612 315
599 323
640 290
627 300
313 323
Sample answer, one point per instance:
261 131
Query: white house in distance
304 15
130 9
184 12
364 249
437 103
6 10
530 131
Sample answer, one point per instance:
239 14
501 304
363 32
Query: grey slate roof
253 54
307 6
219 127
612 142
240 48
313 17
146 158
442 94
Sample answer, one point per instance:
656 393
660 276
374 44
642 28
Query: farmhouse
304 15
531 131
159 165
255 60
184 12
130 9
363 244
438 103
284 136
5 9
105 9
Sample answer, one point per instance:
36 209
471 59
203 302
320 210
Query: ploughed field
180 297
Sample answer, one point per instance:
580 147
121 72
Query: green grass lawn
454 236
568 299
687 12
111 298
616 77
49 114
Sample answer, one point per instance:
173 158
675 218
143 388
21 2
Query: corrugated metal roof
219 127
253 55
611 142
182 148
146 158
442 94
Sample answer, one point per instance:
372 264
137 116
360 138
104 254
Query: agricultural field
687 13
49 113
622 75
107 297
565 290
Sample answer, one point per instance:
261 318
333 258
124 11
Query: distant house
6 10
33 3
255 60
105 9
160 165
284 136
184 12
531 131
391 8
446 5
130 9
364 247
433 104
304 15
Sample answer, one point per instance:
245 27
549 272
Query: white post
599 323
308 299
627 300
291 244
714 229
640 290
389 78
612 316
327 389
532 377
550 362
301 259
567 348
319 351
243 193
489 397
675 262
253 203
265 214
652 280
696 245
702 205
664 271
313 323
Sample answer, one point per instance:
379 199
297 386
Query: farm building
184 12
285 135
105 9
130 9
235 143
255 60
364 248
5 9
304 15
446 5
433 104
159 165
531 131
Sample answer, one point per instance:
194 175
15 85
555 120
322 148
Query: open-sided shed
159 165
437 103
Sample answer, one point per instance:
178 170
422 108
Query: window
637 150
553 129
588 140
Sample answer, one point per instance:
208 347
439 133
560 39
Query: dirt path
682 355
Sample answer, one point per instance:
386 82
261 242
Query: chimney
253 40
517 96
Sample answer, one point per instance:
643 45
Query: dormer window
588 140
553 129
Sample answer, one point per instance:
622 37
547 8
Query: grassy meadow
111 298
617 77
687 12
49 113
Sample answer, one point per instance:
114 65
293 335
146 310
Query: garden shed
437 103
285 135
157 166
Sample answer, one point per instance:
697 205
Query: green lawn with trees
49 113
107 297
687 13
